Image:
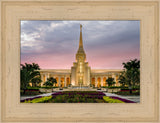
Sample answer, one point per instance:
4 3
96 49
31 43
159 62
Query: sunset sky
53 44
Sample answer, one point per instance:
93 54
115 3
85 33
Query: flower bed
127 92
30 92
124 100
76 97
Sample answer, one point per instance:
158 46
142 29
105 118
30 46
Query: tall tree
53 80
110 81
122 79
131 64
36 80
28 74
132 73
50 82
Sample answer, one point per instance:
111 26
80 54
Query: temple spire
80 38
80 51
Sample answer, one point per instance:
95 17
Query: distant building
80 73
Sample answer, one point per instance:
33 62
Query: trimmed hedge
111 87
122 88
34 88
30 92
49 87
127 92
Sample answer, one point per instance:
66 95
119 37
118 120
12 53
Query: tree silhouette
110 81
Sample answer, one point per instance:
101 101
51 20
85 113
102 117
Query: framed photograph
106 68
80 61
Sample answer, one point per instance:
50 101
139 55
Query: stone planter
109 90
43 90
113 90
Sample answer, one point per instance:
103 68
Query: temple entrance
62 82
68 81
80 81
57 81
99 82
93 82
104 81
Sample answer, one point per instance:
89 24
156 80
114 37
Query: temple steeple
80 69
80 53
80 38
80 49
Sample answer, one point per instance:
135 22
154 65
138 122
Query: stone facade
80 73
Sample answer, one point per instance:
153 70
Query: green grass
110 100
39 100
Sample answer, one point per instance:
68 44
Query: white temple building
80 73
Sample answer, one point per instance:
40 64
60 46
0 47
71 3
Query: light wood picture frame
13 11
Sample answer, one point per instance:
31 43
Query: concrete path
26 97
132 98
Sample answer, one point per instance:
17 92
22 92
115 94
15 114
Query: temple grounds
80 95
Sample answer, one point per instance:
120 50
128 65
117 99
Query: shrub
34 88
111 87
126 92
30 92
49 87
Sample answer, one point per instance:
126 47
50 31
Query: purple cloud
53 44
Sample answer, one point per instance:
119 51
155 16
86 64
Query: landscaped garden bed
30 92
127 93
76 97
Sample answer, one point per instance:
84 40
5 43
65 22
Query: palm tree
122 79
110 81
132 64
26 77
132 73
35 66
52 80
36 80
28 74
48 83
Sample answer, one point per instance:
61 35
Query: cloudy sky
53 44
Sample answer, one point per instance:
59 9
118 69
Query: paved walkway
26 97
132 98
